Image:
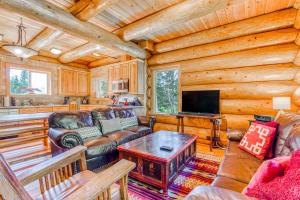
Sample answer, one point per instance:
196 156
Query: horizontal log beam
253 90
49 35
237 44
93 8
284 53
278 72
238 121
79 52
56 17
44 38
104 61
250 107
177 14
268 22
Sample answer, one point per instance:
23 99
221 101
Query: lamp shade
20 51
282 103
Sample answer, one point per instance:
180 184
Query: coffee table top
149 146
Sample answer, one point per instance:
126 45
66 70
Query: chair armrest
57 162
147 121
65 138
235 134
102 181
214 193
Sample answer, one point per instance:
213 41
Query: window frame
154 103
10 66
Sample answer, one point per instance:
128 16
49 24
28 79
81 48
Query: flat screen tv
201 102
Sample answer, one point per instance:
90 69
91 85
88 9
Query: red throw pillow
258 139
267 171
284 187
273 124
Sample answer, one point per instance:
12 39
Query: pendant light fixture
19 49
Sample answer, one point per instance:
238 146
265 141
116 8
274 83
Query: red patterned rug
200 170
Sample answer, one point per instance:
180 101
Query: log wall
249 61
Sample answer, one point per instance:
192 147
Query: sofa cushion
128 122
234 150
140 130
122 137
68 121
287 122
99 146
228 183
108 126
102 114
88 132
124 112
240 169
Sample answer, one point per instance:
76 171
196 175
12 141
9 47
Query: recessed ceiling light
55 51
97 54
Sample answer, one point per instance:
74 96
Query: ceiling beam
79 52
57 18
44 38
104 61
177 14
49 35
93 8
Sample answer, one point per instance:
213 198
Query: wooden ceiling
114 15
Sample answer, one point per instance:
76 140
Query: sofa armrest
65 138
147 121
214 193
235 134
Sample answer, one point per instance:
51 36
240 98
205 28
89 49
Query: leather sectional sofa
100 150
238 166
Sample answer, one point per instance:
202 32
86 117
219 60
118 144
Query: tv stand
213 118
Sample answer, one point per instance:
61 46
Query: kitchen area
72 89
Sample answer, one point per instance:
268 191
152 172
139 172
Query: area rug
200 170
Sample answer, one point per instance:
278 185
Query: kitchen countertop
40 106
57 105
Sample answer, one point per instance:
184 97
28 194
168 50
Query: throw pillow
267 171
108 126
88 132
128 122
273 124
257 140
69 122
285 187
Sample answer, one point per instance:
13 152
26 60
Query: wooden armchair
54 179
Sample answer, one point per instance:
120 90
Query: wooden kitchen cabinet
73 83
68 83
132 70
27 110
83 84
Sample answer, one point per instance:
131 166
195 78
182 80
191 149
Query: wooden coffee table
153 165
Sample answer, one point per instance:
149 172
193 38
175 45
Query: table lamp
281 103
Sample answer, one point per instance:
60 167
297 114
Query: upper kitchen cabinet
73 82
133 71
83 84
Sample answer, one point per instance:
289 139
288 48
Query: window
166 91
28 82
100 87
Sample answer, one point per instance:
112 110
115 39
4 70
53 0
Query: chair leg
124 188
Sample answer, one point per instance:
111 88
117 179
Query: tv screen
201 101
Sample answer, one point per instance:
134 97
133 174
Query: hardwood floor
204 148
